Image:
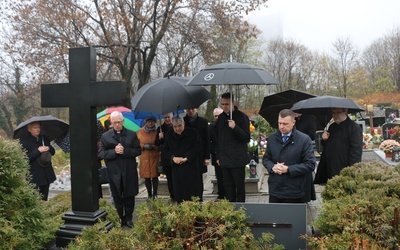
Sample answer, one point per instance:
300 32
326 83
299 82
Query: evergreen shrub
360 209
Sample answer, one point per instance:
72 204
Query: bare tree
127 33
342 63
290 62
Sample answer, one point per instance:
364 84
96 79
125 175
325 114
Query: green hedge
360 209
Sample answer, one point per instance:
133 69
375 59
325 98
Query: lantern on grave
253 169
396 154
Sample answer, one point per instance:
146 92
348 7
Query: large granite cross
82 94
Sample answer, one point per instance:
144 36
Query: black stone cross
82 94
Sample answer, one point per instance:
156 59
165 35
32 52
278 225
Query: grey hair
115 114
178 119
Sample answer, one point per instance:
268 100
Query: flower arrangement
394 133
388 145
252 146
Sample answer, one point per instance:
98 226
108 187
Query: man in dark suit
213 144
119 148
42 172
193 120
182 148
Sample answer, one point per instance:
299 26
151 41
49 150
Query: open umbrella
232 74
324 104
169 94
273 104
51 126
130 121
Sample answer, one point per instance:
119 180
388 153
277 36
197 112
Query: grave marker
82 94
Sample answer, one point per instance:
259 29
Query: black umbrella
324 104
51 126
169 94
273 104
232 74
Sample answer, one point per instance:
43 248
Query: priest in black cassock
182 149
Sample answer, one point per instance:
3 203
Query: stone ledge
251 185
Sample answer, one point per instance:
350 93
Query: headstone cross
82 94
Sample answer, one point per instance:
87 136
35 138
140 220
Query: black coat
122 169
212 130
307 124
342 149
201 125
232 143
298 154
186 177
160 142
40 175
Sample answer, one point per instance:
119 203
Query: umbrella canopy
130 121
51 126
169 94
273 104
232 74
324 104
143 114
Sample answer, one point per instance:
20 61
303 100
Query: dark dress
342 149
186 180
41 176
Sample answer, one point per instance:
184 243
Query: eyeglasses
117 122
337 112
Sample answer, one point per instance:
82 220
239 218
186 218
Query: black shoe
123 223
129 224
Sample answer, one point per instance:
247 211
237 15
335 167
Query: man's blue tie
285 138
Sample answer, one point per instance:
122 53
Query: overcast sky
318 23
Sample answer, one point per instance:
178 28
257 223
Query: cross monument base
75 222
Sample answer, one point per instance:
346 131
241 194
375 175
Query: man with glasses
290 161
233 134
342 146
119 148
182 148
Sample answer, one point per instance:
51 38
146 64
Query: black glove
148 146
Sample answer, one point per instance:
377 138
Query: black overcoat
122 169
186 179
342 149
232 143
298 154
40 175
201 124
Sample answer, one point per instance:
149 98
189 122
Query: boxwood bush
360 209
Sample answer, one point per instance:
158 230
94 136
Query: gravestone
287 222
386 128
82 94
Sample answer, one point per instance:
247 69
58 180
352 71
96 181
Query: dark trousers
168 174
274 199
151 186
218 174
125 207
234 184
44 191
